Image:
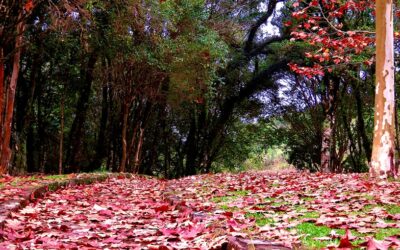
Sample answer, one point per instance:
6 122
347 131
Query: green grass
386 232
228 208
392 209
269 199
260 218
367 208
308 198
311 231
220 199
311 215
232 196
369 197
55 177
277 204
300 208
239 193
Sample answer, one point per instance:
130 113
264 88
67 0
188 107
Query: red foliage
320 23
28 5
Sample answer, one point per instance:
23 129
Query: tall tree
14 15
382 160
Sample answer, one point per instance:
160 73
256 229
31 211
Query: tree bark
60 155
2 101
138 151
125 114
382 160
9 109
328 147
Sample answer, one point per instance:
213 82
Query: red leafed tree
12 25
320 24
382 159
323 24
334 43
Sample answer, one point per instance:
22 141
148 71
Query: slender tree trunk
138 151
328 147
382 160
2 101
125 114
6 151
60 159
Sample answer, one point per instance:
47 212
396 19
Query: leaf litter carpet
205 211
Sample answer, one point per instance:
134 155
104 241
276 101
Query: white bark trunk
382 159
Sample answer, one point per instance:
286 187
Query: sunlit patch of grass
392 209
55 177
232 196
278 203
386 232
220 199
311 215
369 197
308 198
367 208
225 207
269 199
311 231
260 218
239 193
300 208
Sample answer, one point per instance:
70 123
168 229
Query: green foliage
253 146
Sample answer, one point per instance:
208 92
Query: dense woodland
179 87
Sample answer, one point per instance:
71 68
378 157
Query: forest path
204 211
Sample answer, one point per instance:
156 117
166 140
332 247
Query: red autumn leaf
28 5
373 244
106 213
162 208
345 240
64 228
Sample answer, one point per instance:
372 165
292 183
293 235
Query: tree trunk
138 151
125 114
328 147
2 101
60 159
9 109
382 160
